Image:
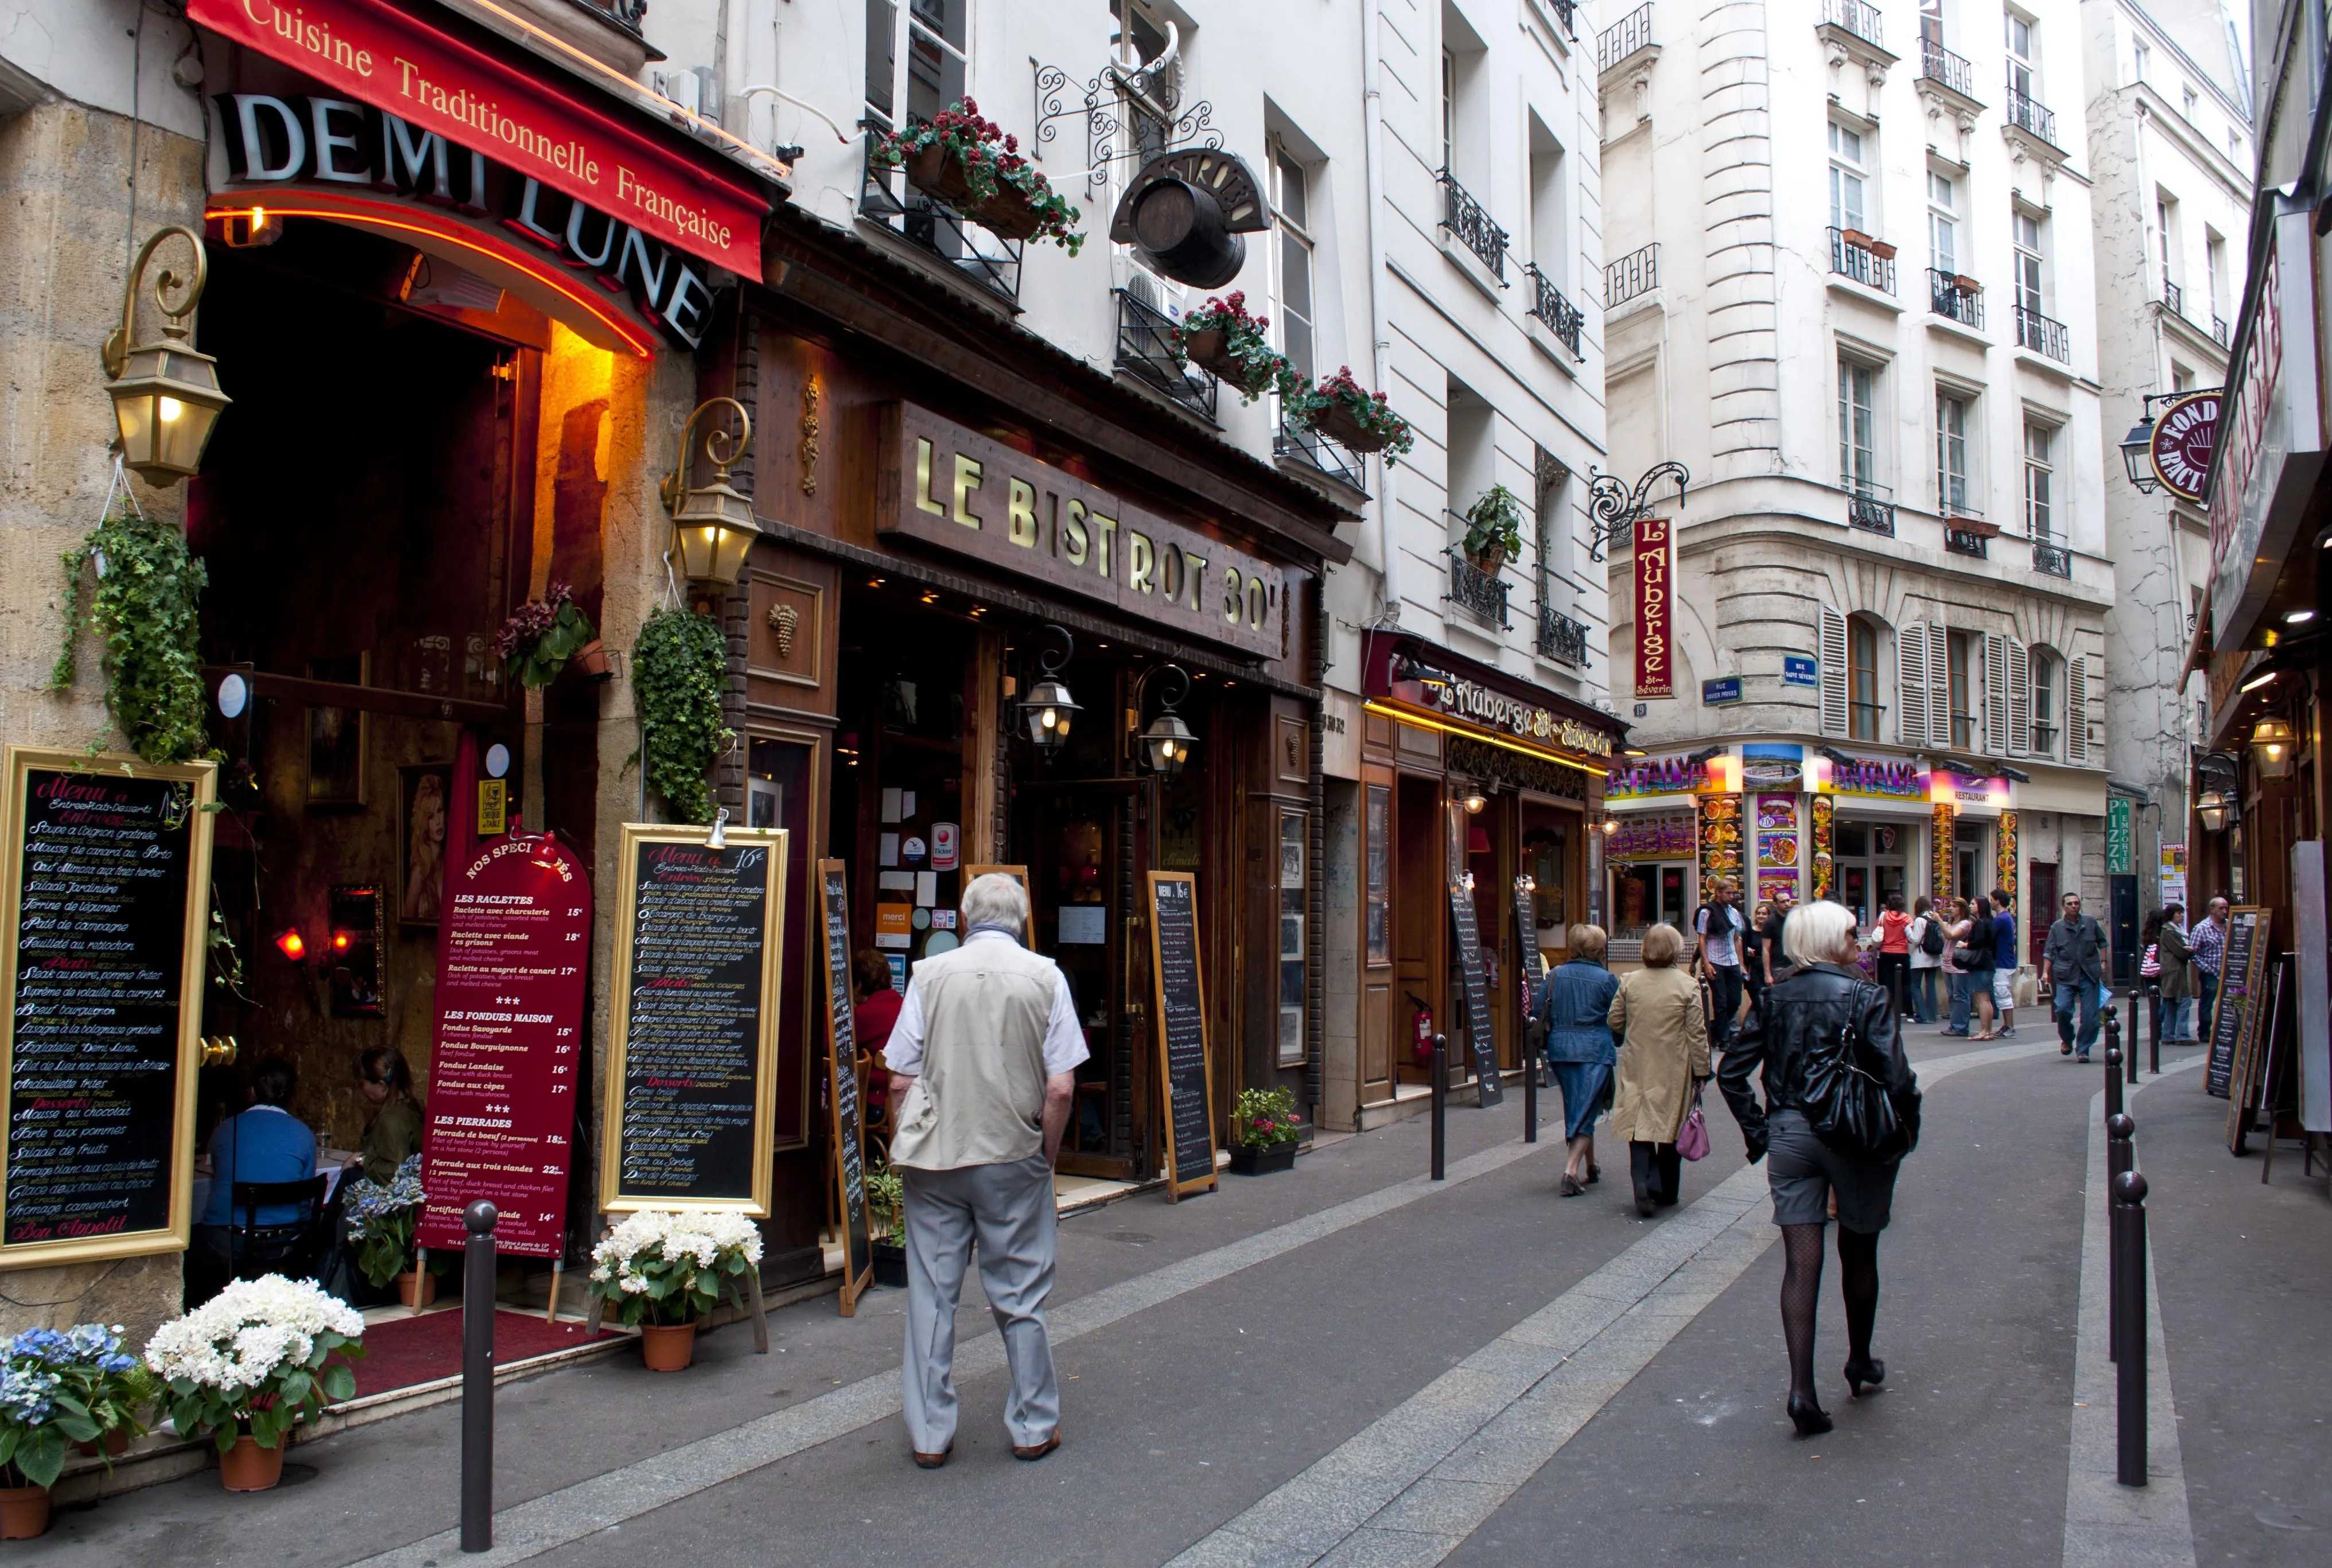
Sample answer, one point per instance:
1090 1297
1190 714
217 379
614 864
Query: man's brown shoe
933 1461
1038 1450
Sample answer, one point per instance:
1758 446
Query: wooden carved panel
786 629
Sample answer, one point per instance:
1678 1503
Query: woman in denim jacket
1576 1003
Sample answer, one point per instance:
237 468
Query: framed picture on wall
337 751
424 798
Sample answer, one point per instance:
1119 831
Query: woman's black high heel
1812 1419
1859 1372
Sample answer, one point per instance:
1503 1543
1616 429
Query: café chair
289 1249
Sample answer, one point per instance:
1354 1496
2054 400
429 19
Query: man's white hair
1820 932
996 899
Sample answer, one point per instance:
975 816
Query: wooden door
2040 906
1382 1026
1420 917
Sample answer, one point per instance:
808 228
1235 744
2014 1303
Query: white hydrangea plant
669 1269
257 1358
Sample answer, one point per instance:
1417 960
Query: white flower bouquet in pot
661 1272
252 1363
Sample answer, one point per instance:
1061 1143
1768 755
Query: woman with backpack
1826 1132
1926 938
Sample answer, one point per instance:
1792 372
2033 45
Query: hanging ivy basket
680 668
144 612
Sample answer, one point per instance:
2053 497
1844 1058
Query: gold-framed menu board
692 1027
842 1080
104 889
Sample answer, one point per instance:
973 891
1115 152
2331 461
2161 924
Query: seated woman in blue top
1576 1004
265 1144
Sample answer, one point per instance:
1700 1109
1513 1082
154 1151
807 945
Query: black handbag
1846 1104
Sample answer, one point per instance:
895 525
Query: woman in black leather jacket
1806 1013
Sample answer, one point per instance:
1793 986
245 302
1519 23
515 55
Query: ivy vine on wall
143 611
680 666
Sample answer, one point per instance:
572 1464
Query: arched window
2047 672
1863 706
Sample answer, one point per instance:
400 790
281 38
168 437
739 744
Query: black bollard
2112 1062
2129 1368
2153 1050
2129 1056
1530 1097
1440 1097
2121 1155
478 1379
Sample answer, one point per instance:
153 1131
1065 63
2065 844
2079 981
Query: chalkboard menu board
513 949
106 889
692 1030
842 1069
1184 1063
2242 966
1534 964
1488 1090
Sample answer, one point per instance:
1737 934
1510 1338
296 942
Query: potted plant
1341 409
680 668
380 1225
1226 342
1268 1131
886 1198
663 1272
76 1387
143 611
542 635
250 1364
1494 529
1884 251
968 163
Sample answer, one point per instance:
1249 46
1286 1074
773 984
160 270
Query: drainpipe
1379 337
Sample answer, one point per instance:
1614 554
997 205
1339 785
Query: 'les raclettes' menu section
512 952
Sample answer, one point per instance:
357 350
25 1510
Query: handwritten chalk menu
692 1032
1534 964
842 1068
2242 964
1183 1056
106 890
513 944
1487 1088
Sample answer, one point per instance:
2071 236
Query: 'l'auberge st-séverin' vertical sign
1655 675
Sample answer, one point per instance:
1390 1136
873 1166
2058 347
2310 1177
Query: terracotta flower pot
667 1347
937 173
417 1288
1490 560
117 1443
1882 250
1007 213
24 1513
1337 423
591 661
248 1467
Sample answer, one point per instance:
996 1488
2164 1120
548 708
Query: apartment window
1846 181
1943 222
2024 56
1858 425
1931 22
2045 669
915 58
2186 102
2025 265
2141 60
2182 379
1293 305
2162 236
1950 453
1958 652
2039 475
1863 707
2214 268
1448 109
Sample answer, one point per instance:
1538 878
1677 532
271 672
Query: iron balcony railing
1561 316
2045 739
1560 639
2053 558
1955 295
2219 329
1856 17
1857 258
1624 37
2174 296
1145 351
1940 66
1466 217
1637 273
2042 336
1318 452
1481 592
887 196
1967 541
1870 507
2030 117
1565 11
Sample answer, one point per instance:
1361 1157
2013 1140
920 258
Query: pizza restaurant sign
1491 710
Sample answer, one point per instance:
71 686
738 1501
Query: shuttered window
1939 702
2020 697
1911 682
1995 695
1863 707
2077 709
1833 672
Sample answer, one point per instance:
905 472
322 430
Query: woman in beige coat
1663 1056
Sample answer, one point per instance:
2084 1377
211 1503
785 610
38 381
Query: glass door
1080 843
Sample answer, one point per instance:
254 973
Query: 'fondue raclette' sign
963 492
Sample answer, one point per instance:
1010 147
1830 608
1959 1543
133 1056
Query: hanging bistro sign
2181 447
1655 676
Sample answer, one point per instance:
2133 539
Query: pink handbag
1692 1139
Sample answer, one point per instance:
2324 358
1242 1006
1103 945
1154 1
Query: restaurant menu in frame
842 1068
693 1031
1182 1059
513 945
106 890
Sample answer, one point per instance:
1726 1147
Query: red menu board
510 956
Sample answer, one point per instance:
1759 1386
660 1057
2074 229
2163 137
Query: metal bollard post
1440 1097
2121 1155
1530 1098
2136 1026
2129 1369
2113 1063
2154 1051
478 1379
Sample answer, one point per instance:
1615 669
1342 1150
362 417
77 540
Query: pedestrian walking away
1663 1061
983 1053
2175 956
1827 1029
1925 936
2073 972
1722 930
1753 976
1576 1003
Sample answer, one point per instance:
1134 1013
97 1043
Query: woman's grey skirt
1804 1171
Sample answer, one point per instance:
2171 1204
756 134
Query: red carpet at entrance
407 1351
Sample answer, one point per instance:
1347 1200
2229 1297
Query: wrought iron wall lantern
165 394
1167 742
1047 708
713 525
1612 508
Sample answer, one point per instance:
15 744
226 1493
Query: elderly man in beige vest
984 1054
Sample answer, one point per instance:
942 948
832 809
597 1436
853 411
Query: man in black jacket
2073 965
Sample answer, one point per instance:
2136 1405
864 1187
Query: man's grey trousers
1010 1209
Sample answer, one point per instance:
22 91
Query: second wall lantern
713 525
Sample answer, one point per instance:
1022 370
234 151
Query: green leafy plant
669 1269
256 1360
1268 1117
1493 524
143 611
381 1219
886 1198
1368 411
680 666
542 635
991 162
1257 367
59 1388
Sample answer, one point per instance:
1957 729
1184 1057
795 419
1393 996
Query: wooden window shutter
2020 698
1833 672
1939 684
1911 682
1995 695
2077 709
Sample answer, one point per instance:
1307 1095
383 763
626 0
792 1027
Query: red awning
462 84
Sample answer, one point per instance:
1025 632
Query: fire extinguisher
1421 1020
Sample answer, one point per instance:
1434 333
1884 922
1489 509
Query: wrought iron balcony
629 13
1944 69
1637 273
1856 17
1561 316
1870 507
1856 256
2030 117
1560 639
2219 329
887 196
1968 541
1466 218
2174 296
1319 451
1472 589
2053 558
1624 37
1957 296
2042 336
1145 351
1565 11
